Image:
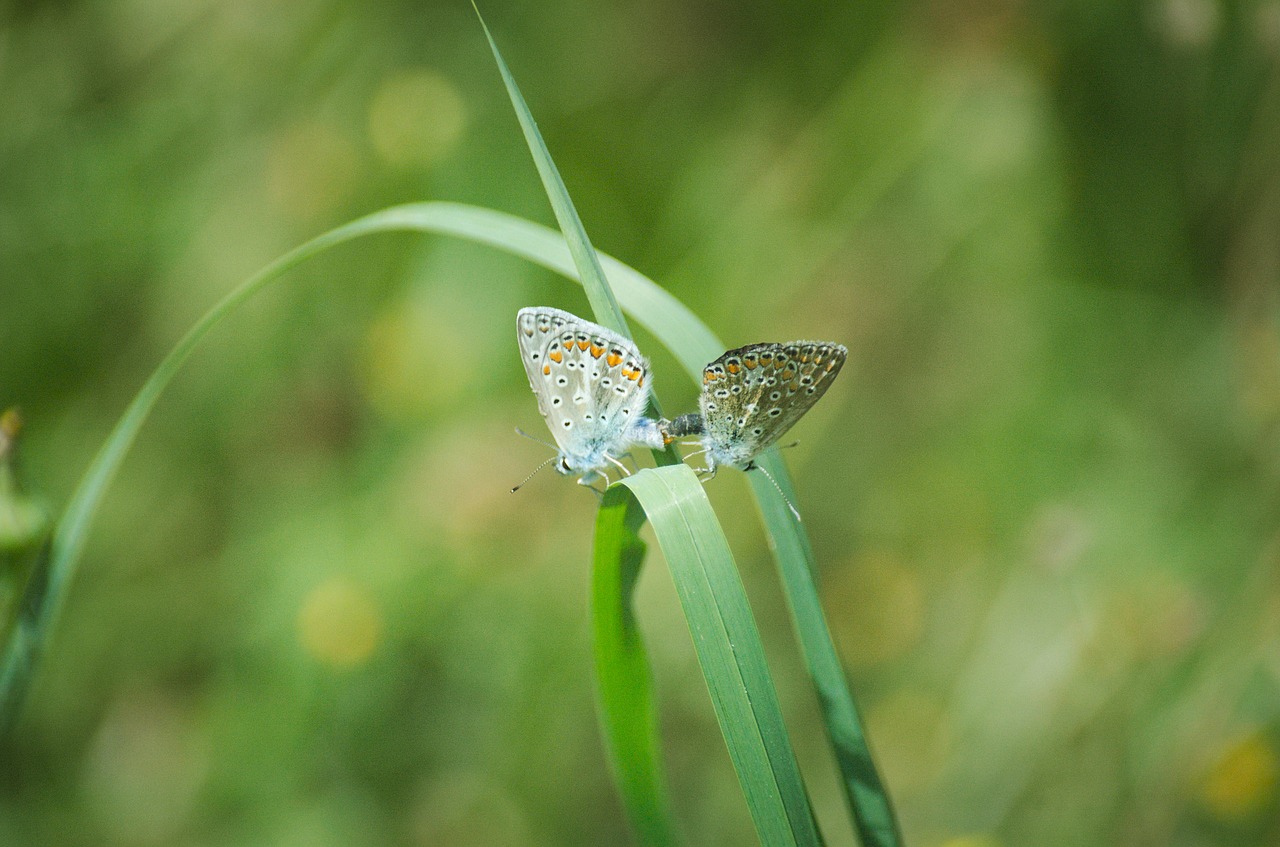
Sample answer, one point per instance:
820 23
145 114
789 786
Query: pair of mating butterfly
593 390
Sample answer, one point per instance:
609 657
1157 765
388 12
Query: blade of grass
624 687
623 677
728 647
590 274
692 343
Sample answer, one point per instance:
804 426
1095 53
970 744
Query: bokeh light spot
416 117
339 623
1242 782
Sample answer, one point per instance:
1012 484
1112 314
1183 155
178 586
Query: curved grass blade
46 590
692 343
728 647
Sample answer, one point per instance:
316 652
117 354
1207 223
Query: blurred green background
1043 494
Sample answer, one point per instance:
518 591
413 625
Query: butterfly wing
752 395
591 383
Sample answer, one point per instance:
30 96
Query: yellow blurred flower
1242 782
416 117
339 623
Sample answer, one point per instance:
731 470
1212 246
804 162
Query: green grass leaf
727 643
624 686
692 343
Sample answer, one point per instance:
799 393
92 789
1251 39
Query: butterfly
752 395
592 386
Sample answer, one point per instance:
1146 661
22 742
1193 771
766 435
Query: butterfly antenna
785 499
535 470
520 431
795 443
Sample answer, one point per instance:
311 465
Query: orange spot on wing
556 356
546 370
583 345
733 369
596 352
613 360
766 360
568 345
750 363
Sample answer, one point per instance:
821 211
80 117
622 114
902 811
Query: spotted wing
752 395
590 382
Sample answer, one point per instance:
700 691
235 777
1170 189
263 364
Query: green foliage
1041 496
728 645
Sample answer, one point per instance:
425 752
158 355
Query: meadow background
1043 493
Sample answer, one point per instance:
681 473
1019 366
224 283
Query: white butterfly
592 387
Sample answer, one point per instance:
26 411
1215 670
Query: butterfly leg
588 481
621 466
